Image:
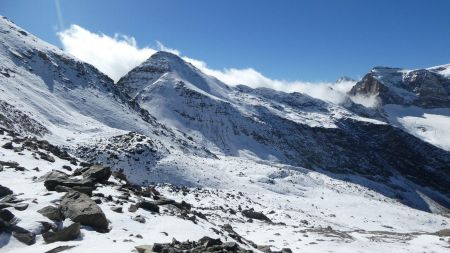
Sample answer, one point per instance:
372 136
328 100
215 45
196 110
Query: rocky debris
12 201
80 208
13 165
60 248
46 157
98 173
33 144
251 214
205 244
66 234
149 206
51 212
443 232
4 191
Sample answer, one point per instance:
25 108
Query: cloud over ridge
118 54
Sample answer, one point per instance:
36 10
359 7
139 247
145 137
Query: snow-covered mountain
418 101
258 169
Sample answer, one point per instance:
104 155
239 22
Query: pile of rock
205 244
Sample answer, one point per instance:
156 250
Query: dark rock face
66 234
423 88
51 212
255 215
80 208
4 191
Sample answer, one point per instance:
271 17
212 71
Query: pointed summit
163 66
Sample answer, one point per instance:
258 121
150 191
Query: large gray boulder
80 208
57 178
97 173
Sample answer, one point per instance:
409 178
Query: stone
149 206
230 246
60 179
21 206
443 232
60 249
46 157
23 235
67 167
69 233
255 215
83 189
51 212
117 209
144 248
133 208
80 208
4 191
98 173
139 218
6 215
209 242
8 145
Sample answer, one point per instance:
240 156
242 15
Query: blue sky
292 40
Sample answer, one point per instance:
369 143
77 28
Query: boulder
8 145
149 206
51 212
23 235
98 173
66 234
4 191
58 178
6 215
80 208
144 248
255 215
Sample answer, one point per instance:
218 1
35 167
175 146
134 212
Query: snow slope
415 100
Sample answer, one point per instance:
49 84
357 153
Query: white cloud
114 56
117 55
